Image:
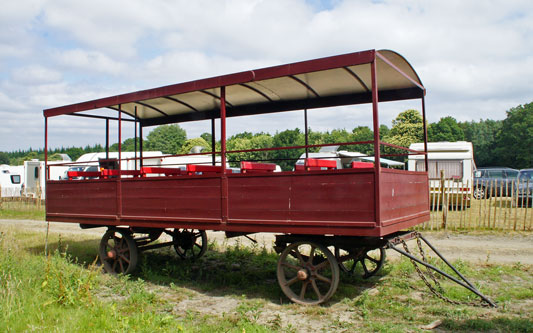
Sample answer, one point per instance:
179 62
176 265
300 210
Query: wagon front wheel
118 252
308 273
371 261
189 244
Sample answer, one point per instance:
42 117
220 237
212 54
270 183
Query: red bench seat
362 165
84 174
194 168
158 170
254 167
316 164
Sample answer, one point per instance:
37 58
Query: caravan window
452 168
15 179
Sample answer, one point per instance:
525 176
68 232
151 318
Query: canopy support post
425 133
224 178
141 145
45 150
107 138
135 137
377 143
213 141
119 181
306 135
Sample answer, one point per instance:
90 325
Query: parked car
494 181
524 189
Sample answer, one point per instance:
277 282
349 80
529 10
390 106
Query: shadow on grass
235 271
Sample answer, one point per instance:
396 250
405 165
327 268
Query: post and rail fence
456 205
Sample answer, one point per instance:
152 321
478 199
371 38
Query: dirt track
487 248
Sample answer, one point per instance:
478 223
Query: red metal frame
362 201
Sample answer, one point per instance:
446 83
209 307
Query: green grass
21 210
65 291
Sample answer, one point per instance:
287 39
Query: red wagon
326 217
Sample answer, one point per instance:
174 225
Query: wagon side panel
90 199
178 199
307 203
404 199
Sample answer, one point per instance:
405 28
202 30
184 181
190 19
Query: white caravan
455 160
11 180
34 179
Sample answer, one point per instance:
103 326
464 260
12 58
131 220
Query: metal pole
119 137
119 182
224 178
425 132
306 135
377 144
213 140
461 283
135 138
107 139
45 149
141 143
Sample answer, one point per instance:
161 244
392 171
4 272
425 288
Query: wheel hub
302 274
112 254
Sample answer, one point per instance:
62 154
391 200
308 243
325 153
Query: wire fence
480 205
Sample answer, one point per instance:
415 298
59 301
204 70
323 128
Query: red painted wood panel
181 197
403 194
81 197
330 196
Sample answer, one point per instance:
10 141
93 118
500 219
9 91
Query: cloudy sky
475 58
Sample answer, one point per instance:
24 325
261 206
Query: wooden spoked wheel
118 252
371 261
189 244
308 273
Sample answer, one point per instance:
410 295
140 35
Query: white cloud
35 75
90 61
475 58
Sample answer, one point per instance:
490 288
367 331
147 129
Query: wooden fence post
444 200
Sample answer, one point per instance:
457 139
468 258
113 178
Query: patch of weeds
249 311
66 282
499 324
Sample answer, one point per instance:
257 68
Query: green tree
286 158
383 131
482 134
407 128
362 133
191 143
446 129
514 142
166 138
4 158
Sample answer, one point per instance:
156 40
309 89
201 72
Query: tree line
507 142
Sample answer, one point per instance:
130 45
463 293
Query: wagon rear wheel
189 244
118 252
370 261
308 273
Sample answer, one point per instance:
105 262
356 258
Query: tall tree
363 133
194 142
167 138
482 134
288 157
407 128
446 129
4 158
514 142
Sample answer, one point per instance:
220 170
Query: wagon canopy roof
325 82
